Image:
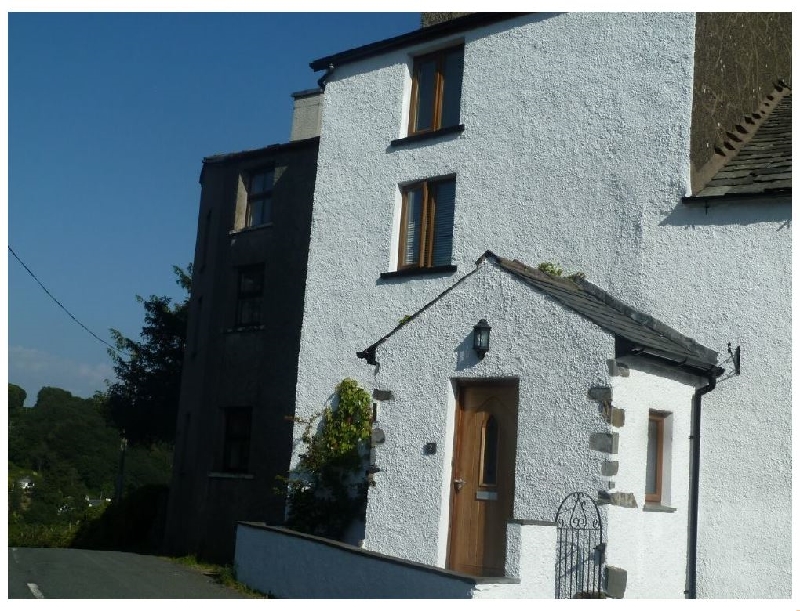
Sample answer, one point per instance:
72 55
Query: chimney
307 114
429 19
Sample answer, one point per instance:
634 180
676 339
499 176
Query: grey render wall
226 367
730 80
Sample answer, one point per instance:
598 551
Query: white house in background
589 140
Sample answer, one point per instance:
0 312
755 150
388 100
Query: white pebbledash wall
575 150
556 355
650 543
724 275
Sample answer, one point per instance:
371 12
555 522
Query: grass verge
223 575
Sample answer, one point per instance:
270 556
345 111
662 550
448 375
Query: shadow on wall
734 213
466 357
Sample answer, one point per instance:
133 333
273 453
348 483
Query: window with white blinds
426 224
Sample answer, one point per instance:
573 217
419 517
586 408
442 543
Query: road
78 573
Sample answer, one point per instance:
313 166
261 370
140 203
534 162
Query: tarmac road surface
78 573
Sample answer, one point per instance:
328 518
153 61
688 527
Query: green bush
329 487
41 535
134 524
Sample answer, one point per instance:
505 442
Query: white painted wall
651 546
575 150
555 163
292 566
724 275
557 356
532 552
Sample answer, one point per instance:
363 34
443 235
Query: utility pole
121 472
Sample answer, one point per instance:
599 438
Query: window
426 224
259 197
655 458
489 453
250 291
236 452
436 91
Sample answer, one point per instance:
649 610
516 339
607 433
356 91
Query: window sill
222 475
249 329
419 271
453 129
248 229
658 508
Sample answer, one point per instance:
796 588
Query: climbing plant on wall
328 488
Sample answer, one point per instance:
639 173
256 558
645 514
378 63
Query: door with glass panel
482 493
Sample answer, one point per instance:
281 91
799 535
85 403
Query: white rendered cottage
620 146
493 437
577 392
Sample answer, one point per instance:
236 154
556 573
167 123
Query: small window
250 291
426 224
489 453
259 197
655 458
436 91
236 452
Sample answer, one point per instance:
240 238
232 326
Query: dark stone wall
738 59
226 367
428 19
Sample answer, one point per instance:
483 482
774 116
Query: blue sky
109 117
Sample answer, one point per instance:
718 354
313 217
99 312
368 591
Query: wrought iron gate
581 549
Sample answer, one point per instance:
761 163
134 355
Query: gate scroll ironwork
581 549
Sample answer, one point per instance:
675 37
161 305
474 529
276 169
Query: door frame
458 385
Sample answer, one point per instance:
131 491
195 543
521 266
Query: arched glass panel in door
489 452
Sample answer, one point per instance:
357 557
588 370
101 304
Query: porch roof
640 332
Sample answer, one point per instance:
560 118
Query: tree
16 398
144 400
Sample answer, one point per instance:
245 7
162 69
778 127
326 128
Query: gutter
694 485
778 196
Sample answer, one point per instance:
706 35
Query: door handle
459 484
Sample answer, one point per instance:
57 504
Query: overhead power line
60 305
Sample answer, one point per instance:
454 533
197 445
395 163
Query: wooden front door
482 494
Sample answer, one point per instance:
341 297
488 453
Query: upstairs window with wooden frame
259 197
436 91
426 224
655 458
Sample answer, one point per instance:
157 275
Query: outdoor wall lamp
480 338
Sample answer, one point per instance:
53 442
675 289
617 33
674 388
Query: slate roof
763 166
643 334
281 147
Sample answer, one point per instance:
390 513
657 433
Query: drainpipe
324 78
694 486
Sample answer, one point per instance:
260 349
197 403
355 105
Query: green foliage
223 575
555 271
16 398
41 535
66 445
133 524
144 401
551 269
328 489
404 320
